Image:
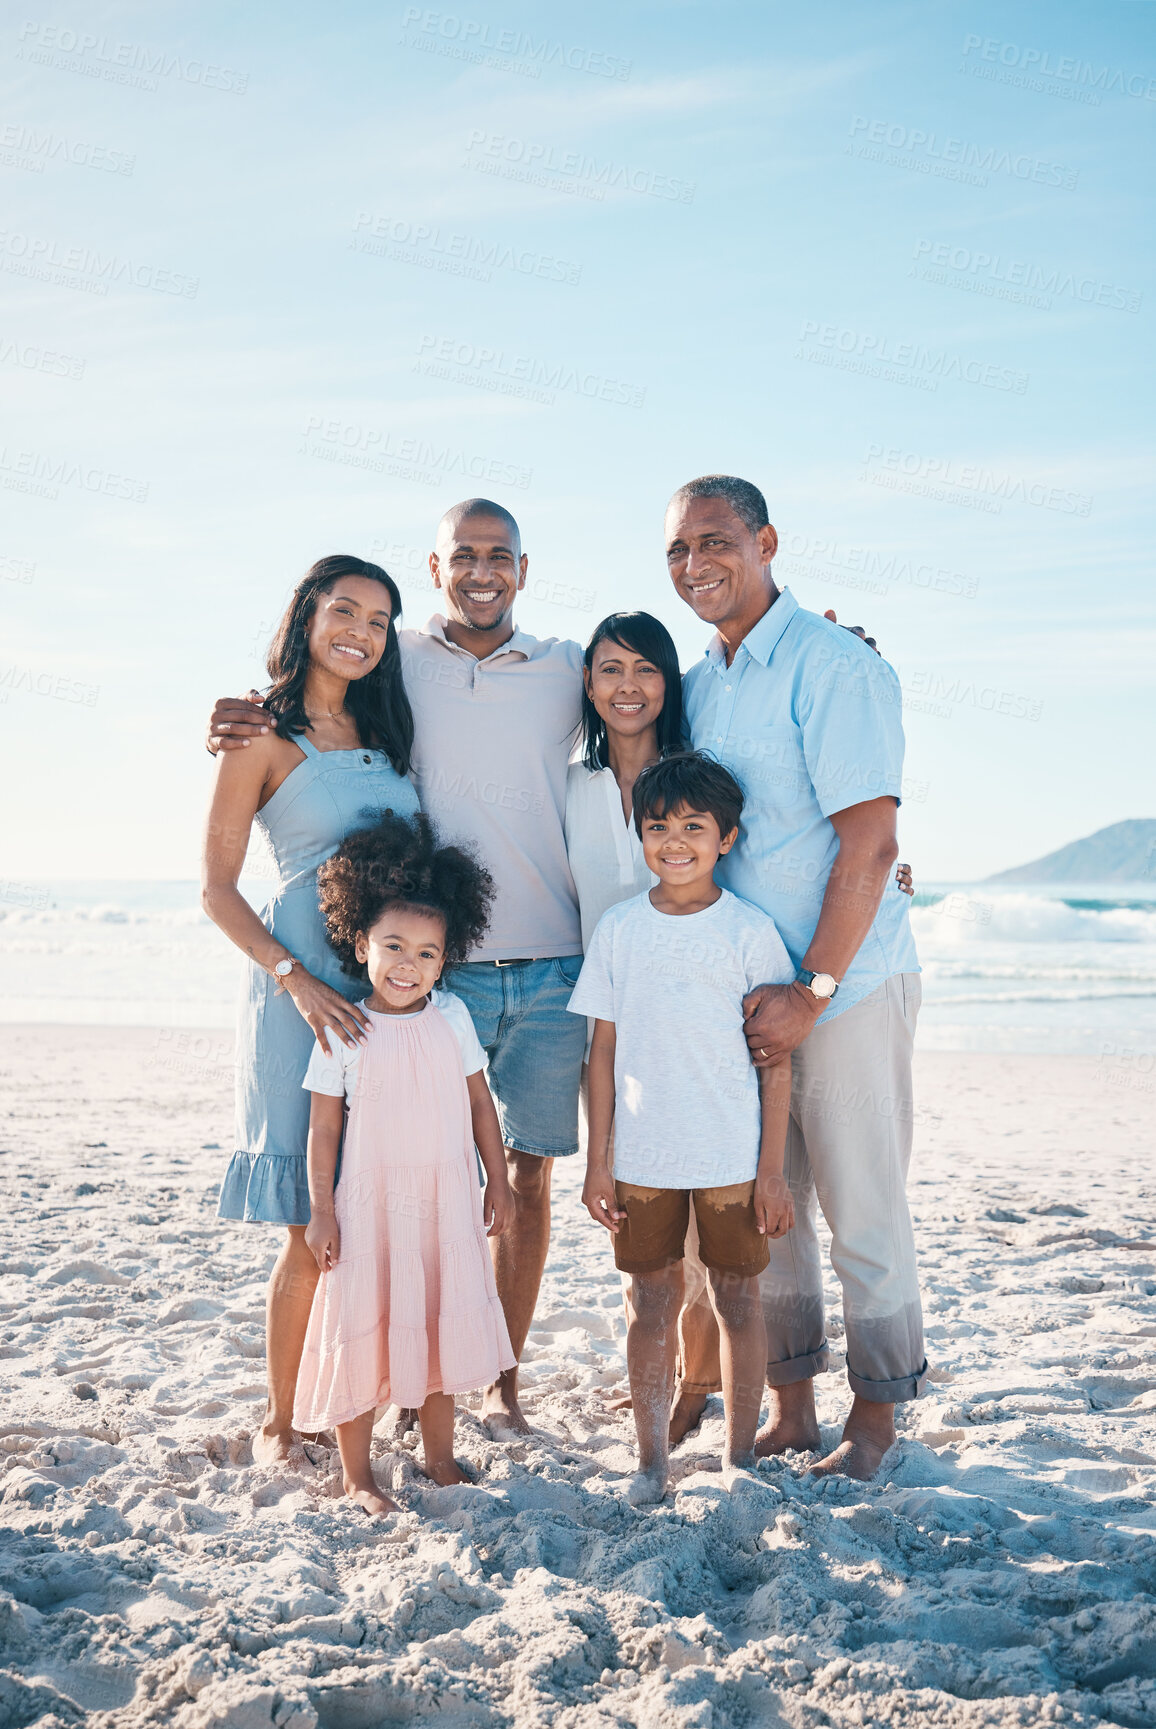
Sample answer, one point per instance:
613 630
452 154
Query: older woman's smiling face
627 689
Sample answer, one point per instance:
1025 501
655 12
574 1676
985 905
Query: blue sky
282 281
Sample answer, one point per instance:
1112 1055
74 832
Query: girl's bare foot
371 1500
445 1472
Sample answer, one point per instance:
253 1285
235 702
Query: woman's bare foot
647 1488
370 1499
398 1421
272 1446
791 1425
685 1414
868 1435
323 1438
501 1415
445 1472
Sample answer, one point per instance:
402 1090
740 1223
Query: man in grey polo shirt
495 716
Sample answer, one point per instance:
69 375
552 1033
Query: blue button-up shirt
808 720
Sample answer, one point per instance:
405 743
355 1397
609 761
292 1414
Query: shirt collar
520 643
761 641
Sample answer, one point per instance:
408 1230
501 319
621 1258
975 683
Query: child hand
497 1207
600 1200
774 1206
323 1239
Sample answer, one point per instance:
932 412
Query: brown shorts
654 1230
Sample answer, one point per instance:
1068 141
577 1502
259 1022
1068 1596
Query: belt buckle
518 961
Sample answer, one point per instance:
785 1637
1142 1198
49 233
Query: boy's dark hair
399 862
689 780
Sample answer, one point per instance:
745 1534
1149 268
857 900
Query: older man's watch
820 985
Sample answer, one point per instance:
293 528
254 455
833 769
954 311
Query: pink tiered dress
411 1307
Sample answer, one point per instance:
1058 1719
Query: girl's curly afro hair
399 861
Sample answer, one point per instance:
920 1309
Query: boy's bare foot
272 1446
501 1414
398 1421
868 1435
791 1425
647 1488
685 1414
446 1472
370 1499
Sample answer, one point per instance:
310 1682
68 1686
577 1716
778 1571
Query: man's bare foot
398 1421
501 1415
446 1472
647 1488
791 1425
370 1499
685 1414
742 1473
868 1435
272 1446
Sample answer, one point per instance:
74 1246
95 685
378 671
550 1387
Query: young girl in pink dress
406 1311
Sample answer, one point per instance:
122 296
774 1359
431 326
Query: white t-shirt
336 1076
686 1112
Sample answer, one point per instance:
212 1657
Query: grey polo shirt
493 740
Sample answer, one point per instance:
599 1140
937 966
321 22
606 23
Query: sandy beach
1001 1570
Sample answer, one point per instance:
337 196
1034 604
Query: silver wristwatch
820 985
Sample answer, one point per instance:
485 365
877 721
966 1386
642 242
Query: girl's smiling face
404 952
683 846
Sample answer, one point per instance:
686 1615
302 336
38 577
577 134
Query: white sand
1001 1571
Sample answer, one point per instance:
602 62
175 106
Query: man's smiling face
717 564
479 566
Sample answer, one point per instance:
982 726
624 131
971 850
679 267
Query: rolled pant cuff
889 1392
796 1369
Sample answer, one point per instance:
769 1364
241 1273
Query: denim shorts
534 1044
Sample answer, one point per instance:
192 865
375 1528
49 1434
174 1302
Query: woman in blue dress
334 756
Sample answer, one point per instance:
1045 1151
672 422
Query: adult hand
904 879
776 1019
325 1009
323 1240
497 1207
855 629
600 1201
235 720
774 1206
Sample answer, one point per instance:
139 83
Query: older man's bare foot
399 1420
370 1499
685 1414
647 1488
272 1446
445 1473
501 1415
791 1424
868 1436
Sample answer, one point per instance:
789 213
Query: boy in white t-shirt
691 1121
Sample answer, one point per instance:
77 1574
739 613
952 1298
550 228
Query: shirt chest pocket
770 765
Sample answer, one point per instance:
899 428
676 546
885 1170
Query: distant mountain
1122 852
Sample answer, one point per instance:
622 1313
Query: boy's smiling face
682 846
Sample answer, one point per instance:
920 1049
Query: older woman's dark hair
643 634
400 862
377 702
689 780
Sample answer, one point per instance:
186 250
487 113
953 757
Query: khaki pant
848 1150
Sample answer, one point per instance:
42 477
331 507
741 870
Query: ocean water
1023 969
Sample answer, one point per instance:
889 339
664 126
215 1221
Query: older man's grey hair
744 498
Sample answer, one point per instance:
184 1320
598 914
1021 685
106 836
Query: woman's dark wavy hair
399 862
643 634
377 702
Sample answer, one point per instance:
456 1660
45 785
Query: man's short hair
688 780
452 521
745 499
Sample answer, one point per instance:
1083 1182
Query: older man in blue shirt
807 717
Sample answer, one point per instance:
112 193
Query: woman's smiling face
350 627
627 690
